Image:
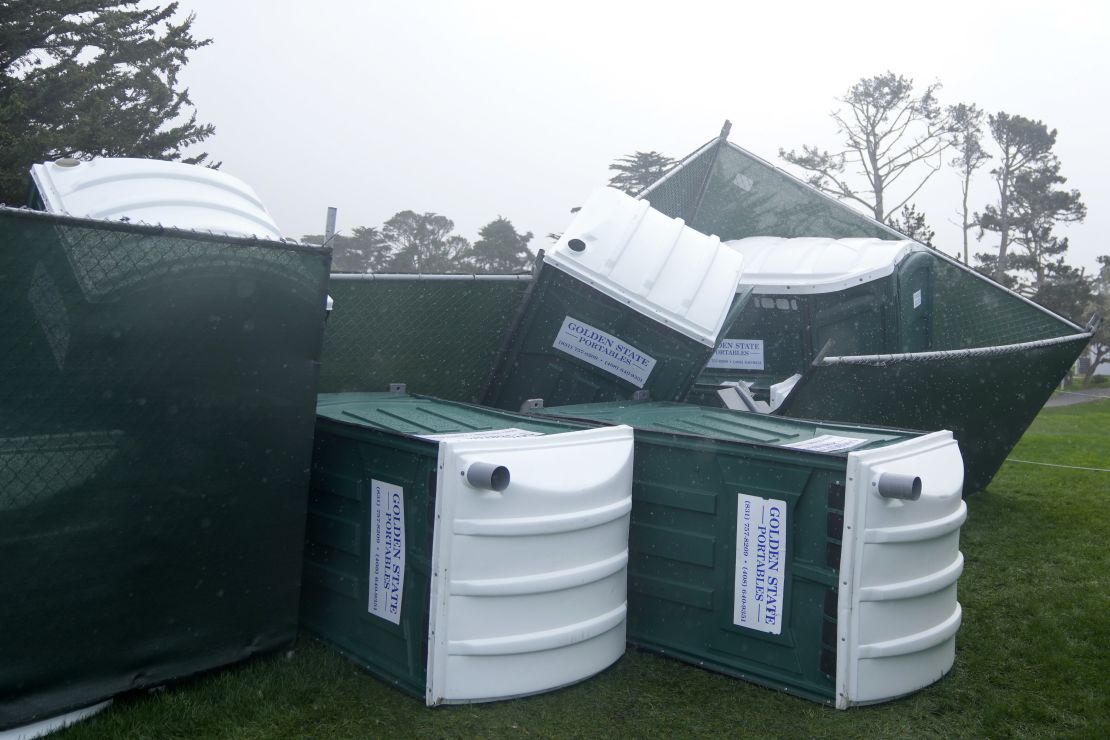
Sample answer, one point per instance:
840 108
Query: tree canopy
1068 292
500 249
912 223
1029 202
1100 304
636 171
411 242
966 138
893 135
363 251
84 78
423 242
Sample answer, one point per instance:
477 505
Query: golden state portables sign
760 563
603 350
387 550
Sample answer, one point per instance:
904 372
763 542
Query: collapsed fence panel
439 334
725 190
157 392
987 398
969 311
959 351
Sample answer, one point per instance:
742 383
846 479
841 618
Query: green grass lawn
1032 657
1097 381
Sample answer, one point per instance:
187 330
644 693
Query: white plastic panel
655 264
779 391
900 560
150 191
806 265
529 584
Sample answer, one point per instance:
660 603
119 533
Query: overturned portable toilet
157 391
818 559
465 554
890 333
628 301
808 292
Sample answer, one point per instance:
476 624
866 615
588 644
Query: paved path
1070 398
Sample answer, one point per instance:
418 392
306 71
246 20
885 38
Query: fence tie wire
1057 465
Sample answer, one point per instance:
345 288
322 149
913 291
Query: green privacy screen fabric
747 196
971 393
157 393
438 334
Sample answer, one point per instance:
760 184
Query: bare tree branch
890 134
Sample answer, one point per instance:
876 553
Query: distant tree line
411 242
894 140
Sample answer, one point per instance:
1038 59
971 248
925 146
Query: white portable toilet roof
150 191
655 264
805 265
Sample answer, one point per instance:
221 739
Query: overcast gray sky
480 109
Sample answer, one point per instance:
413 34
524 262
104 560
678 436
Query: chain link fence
122 328
986 397
676 193
747 196
971 311
438 334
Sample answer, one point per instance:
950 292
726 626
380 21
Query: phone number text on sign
760 563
